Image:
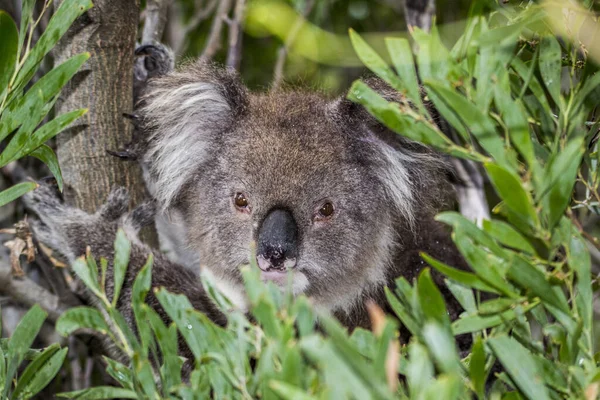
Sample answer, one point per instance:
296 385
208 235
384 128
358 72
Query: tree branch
234 53
25 291
469 192
213 44
155 21
289 41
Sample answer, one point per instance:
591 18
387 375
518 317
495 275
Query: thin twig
155 21
213 44
200 15
289 41
56 278
234 53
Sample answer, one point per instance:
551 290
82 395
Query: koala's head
320 187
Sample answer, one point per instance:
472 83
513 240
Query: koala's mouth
279 276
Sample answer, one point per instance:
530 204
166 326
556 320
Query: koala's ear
183 113
414 176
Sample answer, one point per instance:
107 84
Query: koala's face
287 178
318 186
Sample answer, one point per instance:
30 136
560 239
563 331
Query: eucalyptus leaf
16 191
8 50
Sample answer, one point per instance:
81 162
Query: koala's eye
325 211
240 201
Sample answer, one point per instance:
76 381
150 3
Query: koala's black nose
277 241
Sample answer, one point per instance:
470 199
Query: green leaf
141 287
84 272
119 372
390 115
560 178
26 19
433 57
22 144
403 61
507 235
465 278
81 318
22 339
476 323
47 156
347 351
374 62
551 66
480 124
100 393
431 300
477 370
496 306
8 49
49 86
509 188
458 221
588 87
488 267
60 22
40 372
120 262
442 347
514 116
532 83
189 323
289 392
463 295
419 372
580 261
402 312
338 375
520 365
16 191
530 278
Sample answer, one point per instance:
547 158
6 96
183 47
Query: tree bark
103 86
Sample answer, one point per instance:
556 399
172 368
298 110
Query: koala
304 185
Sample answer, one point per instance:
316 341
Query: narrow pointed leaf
120 262
509 188
40 372
16 191
8 49
78 318
520 365
47 156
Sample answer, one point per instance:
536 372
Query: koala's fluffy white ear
182 114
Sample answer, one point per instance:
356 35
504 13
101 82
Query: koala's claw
116 204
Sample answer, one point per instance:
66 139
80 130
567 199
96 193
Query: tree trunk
103 86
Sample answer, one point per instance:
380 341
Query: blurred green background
333 66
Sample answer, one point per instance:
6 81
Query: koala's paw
141 216
157 59
116 205
70 230
152 60
54 227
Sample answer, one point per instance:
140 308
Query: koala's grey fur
203 138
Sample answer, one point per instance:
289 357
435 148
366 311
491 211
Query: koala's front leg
69 231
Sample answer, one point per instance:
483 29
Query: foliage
281 355
43 365
22 110
528 300
506 104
